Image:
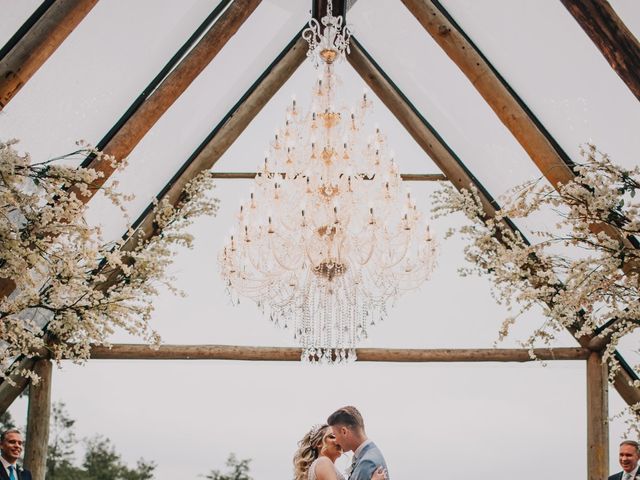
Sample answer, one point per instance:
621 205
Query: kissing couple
323 444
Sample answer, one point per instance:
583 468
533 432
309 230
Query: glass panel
14 14
578 100
416 414
199 109
93 77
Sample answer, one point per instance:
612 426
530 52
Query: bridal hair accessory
316 428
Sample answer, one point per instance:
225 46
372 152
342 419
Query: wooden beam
451 166
38 43
39 411
232 352
597 418
612 37
407 177
124 141
8 392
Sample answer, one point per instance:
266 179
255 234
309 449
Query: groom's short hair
631 443
348 416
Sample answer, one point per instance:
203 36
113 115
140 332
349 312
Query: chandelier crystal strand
328 234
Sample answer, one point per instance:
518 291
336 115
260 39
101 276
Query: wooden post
612 37
35 457
37 45
597 418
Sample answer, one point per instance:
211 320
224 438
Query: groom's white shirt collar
6 464
633 472
358 451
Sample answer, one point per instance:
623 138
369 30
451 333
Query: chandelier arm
290 251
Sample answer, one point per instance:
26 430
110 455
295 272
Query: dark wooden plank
9 392
612 37
38 44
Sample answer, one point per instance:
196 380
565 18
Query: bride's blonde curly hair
308 451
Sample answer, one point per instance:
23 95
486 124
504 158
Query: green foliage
237 470
101 461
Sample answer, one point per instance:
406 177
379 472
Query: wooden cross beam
275 354
46 31
612 37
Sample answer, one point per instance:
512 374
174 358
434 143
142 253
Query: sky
430 420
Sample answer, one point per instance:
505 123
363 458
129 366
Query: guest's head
319 441
629 455
348 427
11 445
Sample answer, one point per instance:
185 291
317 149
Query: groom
348 428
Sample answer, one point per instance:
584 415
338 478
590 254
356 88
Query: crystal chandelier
328 234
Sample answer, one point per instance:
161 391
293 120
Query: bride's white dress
312 471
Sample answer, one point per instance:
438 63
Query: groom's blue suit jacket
22 474
370 458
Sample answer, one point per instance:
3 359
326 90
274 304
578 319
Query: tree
62 441
238 470
101 462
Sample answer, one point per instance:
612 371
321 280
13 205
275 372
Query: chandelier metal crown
329 234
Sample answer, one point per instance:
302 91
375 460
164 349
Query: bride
316 456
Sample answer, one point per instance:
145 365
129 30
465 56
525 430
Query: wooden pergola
51 23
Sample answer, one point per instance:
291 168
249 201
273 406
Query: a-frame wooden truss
47 28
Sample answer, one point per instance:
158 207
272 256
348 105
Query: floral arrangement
67 289
584 270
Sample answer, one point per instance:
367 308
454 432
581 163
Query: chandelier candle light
329 234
